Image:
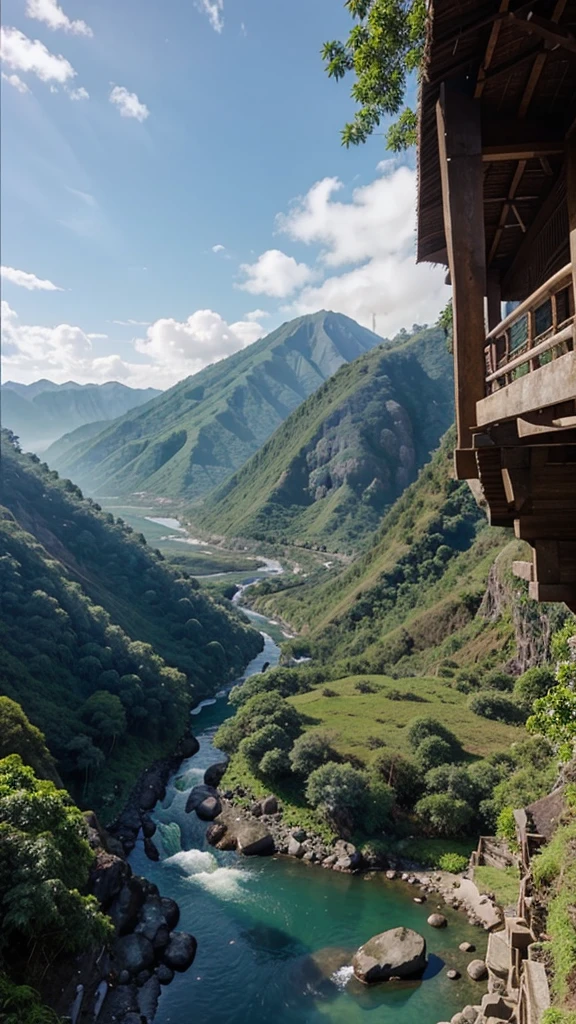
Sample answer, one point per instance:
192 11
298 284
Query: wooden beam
545 29
460 145
494 300
530 150
571 201
518 173
537 67
481 80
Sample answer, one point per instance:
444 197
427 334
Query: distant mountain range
332 468
41 412
198 433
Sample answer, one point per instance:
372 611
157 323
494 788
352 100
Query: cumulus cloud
24 54
256 314
132 323
79 94
170 350
49 12
218 248
214 10
128 103
26 280
275 274
16 82
369 239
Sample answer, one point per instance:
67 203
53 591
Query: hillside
101 641
41 412
329 472
200 431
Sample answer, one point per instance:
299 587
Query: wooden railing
540 329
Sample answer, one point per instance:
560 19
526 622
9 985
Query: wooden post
571 200
494 300
460 150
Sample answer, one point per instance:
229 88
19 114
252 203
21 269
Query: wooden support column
460 150
571 200
494 300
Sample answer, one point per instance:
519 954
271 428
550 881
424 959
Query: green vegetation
453 862
102 643
554 872
504 883
21 1004
193 436
342 458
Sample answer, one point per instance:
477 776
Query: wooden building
497 206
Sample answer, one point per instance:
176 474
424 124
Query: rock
125 908
467 947
120 1002
348 858
148 997
180 951
148 826
133 1017
329 861
399 953
391 875
150 849
299 834
453 974
142 977
231 831
151 918
171 911
124 977
419 899
470 1014
254 840
217 835
164 974
437 921
477 970
209 809
309 856
153 790
107 877
197 795
295 849
457 1019
215 773
256 809
188 746
269 805
133 953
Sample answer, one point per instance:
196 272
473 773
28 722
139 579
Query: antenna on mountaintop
374 323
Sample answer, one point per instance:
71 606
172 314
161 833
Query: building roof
505 55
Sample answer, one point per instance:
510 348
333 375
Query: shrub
498 680
506 827
327 692
484 777
455 863
443 815
269 737
275 764
379 803
451 779
531 685
364 687
433 752
338 790
422 728
403 775
497 708
311 750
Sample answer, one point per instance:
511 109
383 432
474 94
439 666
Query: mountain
60 448
41 412
101 641
196 434
332 468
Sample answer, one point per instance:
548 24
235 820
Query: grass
354 718
554 872
503 882
429 852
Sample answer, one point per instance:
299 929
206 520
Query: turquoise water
276 936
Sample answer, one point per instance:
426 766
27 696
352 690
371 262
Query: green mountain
332 468
41 412
196 434
102 643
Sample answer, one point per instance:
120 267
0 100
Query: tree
338 790
452 779
425 726
443 815
496 707
433 752
104 713
383 47
275 764
311 750
533 684
269 737
87 757
555 714
19 736
403 775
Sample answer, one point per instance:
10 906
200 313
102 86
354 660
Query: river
273 933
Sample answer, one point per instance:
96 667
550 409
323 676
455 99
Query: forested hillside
41 412
103 644
203 429
329 472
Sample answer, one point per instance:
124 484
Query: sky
174 187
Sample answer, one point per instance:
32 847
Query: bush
506 827
379 803
403 775
497 708
327 692
275 764
498 680
451 779
311 750
455 863
531 685
338 790
422 728
363 686
433 752
484 777
269 737
442 815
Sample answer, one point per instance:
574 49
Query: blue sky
139 137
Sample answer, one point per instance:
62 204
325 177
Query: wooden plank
493 300
524 570
538 65
545 29
460 146
564 592
495 32
532 150
555 382
559 526
546 561
465 465
571 201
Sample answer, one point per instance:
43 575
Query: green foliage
504 883
425 727
506 827
452 779
554 871
18 736
385 44
455 863
21 1004
495 707
443 815
275 764
311 750
269 737
44 862
498 680
555 1016
561 648
402 775
338 790
433 752
531 685
554 716
261 710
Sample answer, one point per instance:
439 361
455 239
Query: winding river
275 935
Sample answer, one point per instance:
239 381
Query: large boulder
125 908
477 970
348 858
133 953
152 919
214 773
269 805
295 849
254 839
198 794
209 809
107 877
148 996
437 921
151 850
397 953
232 831
180 951
171 911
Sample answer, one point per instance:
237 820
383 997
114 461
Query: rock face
209 809
232 831
180 951
214 773
397 953
198 795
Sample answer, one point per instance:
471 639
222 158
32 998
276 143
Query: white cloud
256 314
79 94
128 103
52 15
16 82
275 274
171 350
25 280
218 248
24 54
214 10
132 323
